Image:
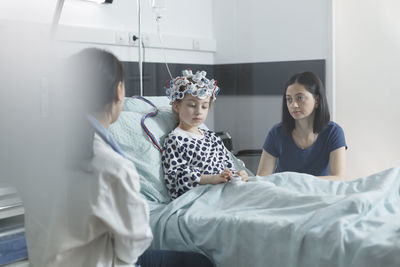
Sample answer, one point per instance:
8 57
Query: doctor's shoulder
112 166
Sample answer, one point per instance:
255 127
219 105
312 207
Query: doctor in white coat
97 217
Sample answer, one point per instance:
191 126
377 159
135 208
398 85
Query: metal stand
140 46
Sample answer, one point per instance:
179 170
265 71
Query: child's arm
223 177
229 164
178 174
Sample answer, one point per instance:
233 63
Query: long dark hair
314 85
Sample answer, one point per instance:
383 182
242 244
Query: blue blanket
287 219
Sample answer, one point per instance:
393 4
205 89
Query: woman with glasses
306 140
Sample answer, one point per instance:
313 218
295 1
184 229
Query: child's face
192 111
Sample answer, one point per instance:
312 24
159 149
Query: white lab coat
97 218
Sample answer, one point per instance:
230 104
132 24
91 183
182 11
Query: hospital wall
360 82
277 33
244 33
367 49
85 24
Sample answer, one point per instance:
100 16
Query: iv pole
140 46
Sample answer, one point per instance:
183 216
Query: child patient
193 156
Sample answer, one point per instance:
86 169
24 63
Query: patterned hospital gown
186 156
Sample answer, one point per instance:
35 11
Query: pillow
138 147
138 105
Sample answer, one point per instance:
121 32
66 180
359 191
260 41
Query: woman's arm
337 161
267 164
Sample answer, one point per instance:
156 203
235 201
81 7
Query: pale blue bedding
285 219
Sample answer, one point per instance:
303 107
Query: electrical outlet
196 44
133 39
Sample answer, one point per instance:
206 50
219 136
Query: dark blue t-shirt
313 160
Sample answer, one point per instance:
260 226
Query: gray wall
256 31
247 118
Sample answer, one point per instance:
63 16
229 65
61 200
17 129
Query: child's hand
227 174
243 174
223 177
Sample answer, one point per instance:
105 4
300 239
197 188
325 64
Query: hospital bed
285 219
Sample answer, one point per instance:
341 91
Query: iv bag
158 7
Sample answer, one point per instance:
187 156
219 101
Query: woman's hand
223 177
243 174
